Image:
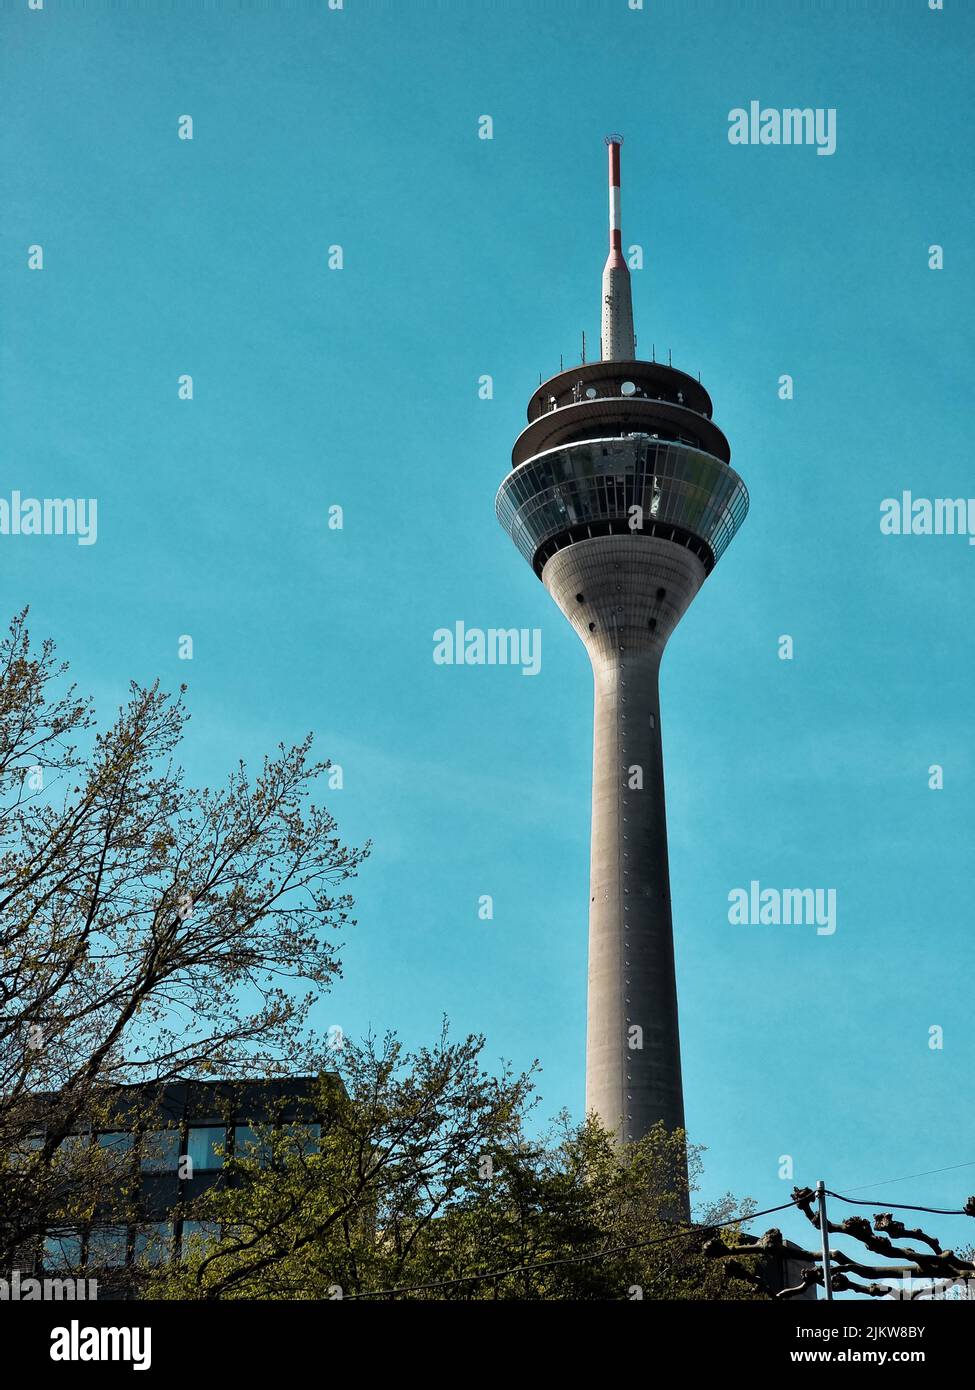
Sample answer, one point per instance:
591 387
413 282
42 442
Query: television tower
622 499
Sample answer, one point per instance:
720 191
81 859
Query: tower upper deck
598 399
620 446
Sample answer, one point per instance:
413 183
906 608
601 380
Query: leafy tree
148 930
424 1173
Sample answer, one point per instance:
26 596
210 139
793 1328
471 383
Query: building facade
169 1147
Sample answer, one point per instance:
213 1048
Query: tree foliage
148 930
424 1173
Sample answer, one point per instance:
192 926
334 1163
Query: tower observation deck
622 498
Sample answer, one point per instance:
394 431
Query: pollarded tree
148 930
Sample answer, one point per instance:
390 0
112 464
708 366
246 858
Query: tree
919 1274
148 930
424 1174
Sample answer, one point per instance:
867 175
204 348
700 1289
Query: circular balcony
633 485
650 380
619 415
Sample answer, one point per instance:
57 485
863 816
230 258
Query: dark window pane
119 1140
27 1146
154 1243
107 1246
160 1151
203 1146
307 1134
248 1144
62 1251
198 1237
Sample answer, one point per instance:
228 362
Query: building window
72 1146
62 1251
160 1151
154 1243
305 1137
26 1147
197 1237
108 1246
202 1147
249 1144
119 1146
120 1141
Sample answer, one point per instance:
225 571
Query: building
622 498
170 1146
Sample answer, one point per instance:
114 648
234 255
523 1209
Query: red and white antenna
617 316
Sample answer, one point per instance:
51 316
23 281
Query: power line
895 1206
570 1259
910 1176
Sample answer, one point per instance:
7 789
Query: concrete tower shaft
624 600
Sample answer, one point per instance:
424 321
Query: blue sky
358 387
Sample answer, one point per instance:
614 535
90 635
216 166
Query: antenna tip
613 139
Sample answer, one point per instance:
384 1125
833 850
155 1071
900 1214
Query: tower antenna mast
617 316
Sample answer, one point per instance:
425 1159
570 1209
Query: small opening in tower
579 598
661 593
592 627
652 624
